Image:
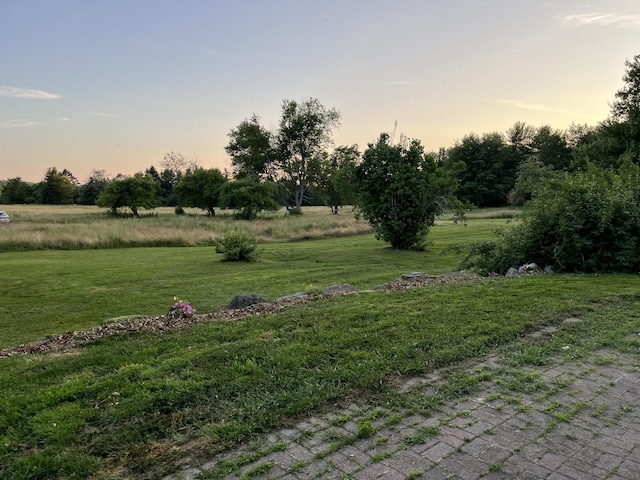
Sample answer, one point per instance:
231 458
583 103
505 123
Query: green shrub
401 190
584 222
237 246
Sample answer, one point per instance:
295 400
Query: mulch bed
171 321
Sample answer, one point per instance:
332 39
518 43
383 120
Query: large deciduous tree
58 188
617 138
251 150
305 131
179 163
401 190
626 108
201 189
139 191
291 155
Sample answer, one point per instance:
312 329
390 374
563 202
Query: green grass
135 405
52 291
131 406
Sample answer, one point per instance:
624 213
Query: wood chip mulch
170 322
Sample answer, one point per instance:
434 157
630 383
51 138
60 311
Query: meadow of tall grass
75 227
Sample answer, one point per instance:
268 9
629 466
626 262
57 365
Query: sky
114 85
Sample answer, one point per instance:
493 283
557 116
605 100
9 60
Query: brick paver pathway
574 420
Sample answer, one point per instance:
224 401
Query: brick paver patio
582 422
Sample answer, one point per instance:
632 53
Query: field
134 405
82 283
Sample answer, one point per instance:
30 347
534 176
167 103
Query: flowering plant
528 268
181 308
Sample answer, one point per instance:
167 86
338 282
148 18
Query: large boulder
243 301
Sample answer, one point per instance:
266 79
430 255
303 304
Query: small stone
572 320
511 272
341 288
412 275
459 273
294 296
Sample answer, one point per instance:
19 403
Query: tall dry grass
73 227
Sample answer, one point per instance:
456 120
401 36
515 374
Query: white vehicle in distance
4 217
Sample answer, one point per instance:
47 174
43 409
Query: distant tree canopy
15 191
616 139
401 190
201 189
584 217
58 188
305 131
337 176
489 171
139 191
249 197
89 192
296 155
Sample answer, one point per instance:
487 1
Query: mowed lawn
135 405
47 292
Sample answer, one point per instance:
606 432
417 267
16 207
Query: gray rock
294 296
341 288
512 272
242 301
572 320
548 269
459 273
412 275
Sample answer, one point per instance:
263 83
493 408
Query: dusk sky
116 84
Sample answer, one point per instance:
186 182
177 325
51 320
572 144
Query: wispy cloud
538 107
26 93
18 124
603 19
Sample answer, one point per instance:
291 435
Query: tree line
296 165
